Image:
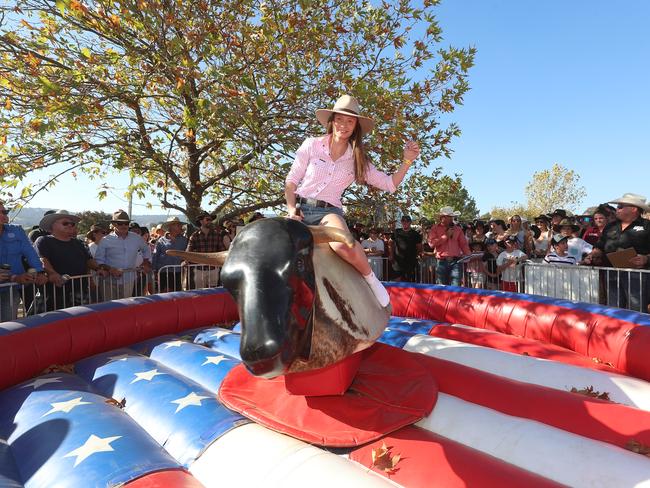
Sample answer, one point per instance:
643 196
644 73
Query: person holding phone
326 166
14 246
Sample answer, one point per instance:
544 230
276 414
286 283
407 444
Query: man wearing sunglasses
14 245
630 230
117 254
62 253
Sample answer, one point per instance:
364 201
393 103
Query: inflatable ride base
390 390
529 391
331 380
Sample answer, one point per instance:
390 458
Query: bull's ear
323 233
213 258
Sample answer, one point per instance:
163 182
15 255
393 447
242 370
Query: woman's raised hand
411 150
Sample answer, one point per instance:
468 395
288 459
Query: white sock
378 289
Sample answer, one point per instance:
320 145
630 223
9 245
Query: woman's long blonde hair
358 149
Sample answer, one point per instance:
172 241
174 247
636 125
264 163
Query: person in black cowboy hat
205 239
558 215
167 268
509 265
325 166
407 245
543 240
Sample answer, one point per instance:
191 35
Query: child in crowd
475 266
489 259
509 264
560 252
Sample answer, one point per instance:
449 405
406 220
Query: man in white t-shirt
509 265
374 249
560 252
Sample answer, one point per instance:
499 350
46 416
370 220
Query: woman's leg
357 258
355 255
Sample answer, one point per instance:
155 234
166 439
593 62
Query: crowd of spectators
116 259
127 259
491 253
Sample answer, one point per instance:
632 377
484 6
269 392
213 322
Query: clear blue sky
564 81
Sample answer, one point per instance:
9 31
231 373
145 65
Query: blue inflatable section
177 412
400 329
416 326
51 423
222 340
205 366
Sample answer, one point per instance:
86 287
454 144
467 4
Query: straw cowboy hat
633 199
449 212
172 220
346 105
49 219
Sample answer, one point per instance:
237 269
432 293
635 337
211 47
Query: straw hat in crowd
49 219
634 200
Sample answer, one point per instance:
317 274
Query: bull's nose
266 368
263 359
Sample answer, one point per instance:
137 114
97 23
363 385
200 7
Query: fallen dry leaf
638 448
59 368
382 459
121 404
600 361
590 392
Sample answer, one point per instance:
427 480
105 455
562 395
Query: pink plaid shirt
317 176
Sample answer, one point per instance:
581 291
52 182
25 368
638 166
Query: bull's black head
269 272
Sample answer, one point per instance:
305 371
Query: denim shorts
312 215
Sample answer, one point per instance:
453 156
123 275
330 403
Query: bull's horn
213 258
323 233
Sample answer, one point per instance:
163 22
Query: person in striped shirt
325 166
560 252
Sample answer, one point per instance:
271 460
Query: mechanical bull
301 307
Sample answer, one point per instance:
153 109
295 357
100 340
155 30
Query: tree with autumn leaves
207 101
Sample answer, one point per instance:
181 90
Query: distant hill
28 217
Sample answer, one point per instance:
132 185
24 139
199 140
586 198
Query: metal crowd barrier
622 288
23 300
187 277
615 287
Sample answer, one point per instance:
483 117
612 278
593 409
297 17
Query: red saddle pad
391 390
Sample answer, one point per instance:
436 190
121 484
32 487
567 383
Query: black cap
406 218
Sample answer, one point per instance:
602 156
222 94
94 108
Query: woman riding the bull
325 166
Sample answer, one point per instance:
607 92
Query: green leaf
61 5
260 102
